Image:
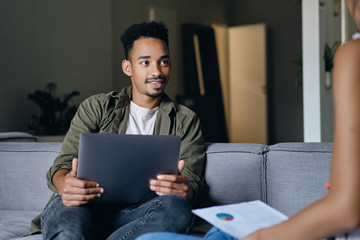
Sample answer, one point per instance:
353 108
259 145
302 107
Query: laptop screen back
124 164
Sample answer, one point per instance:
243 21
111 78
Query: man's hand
73 191
172 184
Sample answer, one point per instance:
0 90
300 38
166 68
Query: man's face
148 67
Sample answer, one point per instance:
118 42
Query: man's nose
155 70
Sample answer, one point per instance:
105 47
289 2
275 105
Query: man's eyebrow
143 57
165 56
147 57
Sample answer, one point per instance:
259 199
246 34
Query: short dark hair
143 30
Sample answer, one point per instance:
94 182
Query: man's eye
144 63
165 62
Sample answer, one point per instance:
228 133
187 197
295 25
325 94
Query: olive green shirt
109 113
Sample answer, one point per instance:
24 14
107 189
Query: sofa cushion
20 188
235 166
15 224
296 174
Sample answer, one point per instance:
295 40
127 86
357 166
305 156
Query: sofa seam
264 189
256 153
302 151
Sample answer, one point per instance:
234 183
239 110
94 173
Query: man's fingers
78 186
74 167
76 196
73 181
83 191
76 192
171 184
172 178
80 197
83 184
181 166
165 191
77 200
168 187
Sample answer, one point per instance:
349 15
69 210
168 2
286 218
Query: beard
155 95
159 92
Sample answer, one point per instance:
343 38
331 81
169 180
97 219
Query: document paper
241 219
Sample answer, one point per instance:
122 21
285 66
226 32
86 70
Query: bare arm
73 191
339 210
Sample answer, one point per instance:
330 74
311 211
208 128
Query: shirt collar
124 98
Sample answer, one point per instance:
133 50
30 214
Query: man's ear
126 67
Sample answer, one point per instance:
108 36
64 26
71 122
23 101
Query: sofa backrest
17 137
287 176
23 167
296 174
235 166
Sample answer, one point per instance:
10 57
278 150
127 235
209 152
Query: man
143 108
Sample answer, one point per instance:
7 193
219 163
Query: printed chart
225 216
240 219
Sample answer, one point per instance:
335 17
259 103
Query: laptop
124 164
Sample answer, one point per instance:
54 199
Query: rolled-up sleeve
86 119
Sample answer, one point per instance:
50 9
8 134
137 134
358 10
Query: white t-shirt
141 120
356 35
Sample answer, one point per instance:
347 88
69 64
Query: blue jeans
170 213
213 234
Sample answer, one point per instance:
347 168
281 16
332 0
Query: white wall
320 26
62 41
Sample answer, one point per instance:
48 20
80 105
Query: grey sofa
287 176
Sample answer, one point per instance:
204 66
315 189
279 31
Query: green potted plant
329 54
56 112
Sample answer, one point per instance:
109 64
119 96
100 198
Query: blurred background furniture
17 137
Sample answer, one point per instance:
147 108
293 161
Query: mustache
163 79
